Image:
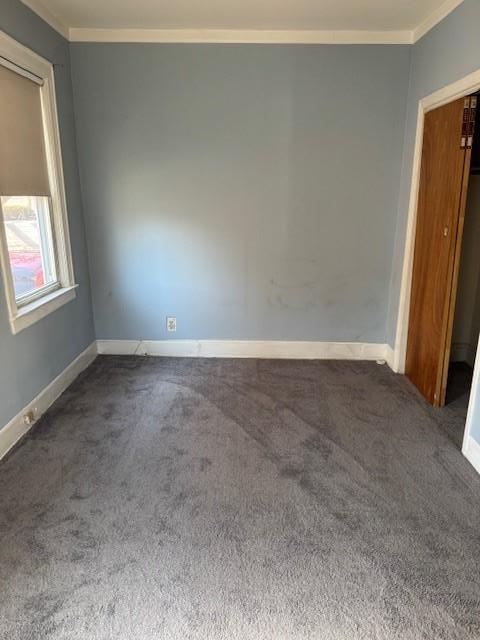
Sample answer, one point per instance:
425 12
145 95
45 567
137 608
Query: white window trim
26 62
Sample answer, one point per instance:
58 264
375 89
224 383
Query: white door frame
470 447
465 86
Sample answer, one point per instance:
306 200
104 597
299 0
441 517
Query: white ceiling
400 16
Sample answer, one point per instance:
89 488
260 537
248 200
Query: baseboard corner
390 357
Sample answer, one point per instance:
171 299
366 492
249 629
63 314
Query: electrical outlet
171 323
29 418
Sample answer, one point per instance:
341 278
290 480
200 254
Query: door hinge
468 122
471 124
465 123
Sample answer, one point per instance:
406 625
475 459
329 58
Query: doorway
443 189
451 278
466 323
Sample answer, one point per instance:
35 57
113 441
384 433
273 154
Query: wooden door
445 168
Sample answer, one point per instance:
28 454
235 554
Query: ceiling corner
47 16
434 18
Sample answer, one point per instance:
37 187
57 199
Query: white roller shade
23 164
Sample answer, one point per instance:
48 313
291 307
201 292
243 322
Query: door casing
440 214
459 89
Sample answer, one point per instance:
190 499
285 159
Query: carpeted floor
240 499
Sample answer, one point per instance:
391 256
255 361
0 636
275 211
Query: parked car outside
25 257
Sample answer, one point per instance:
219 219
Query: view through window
30 245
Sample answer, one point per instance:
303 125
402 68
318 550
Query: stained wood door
443 188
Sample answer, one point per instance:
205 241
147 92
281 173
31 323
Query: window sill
38 309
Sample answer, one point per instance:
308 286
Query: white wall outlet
171 323
29 418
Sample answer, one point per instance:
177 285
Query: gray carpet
220 499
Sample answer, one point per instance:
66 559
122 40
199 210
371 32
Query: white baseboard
248 349
471 450
390 356
17 427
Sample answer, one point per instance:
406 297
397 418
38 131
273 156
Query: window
34 242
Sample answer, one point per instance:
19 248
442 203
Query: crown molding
240 36
47 16
434 18
81 34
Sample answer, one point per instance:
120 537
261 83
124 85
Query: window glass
30 244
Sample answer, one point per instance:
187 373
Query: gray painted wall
249 190
34 357
445 54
